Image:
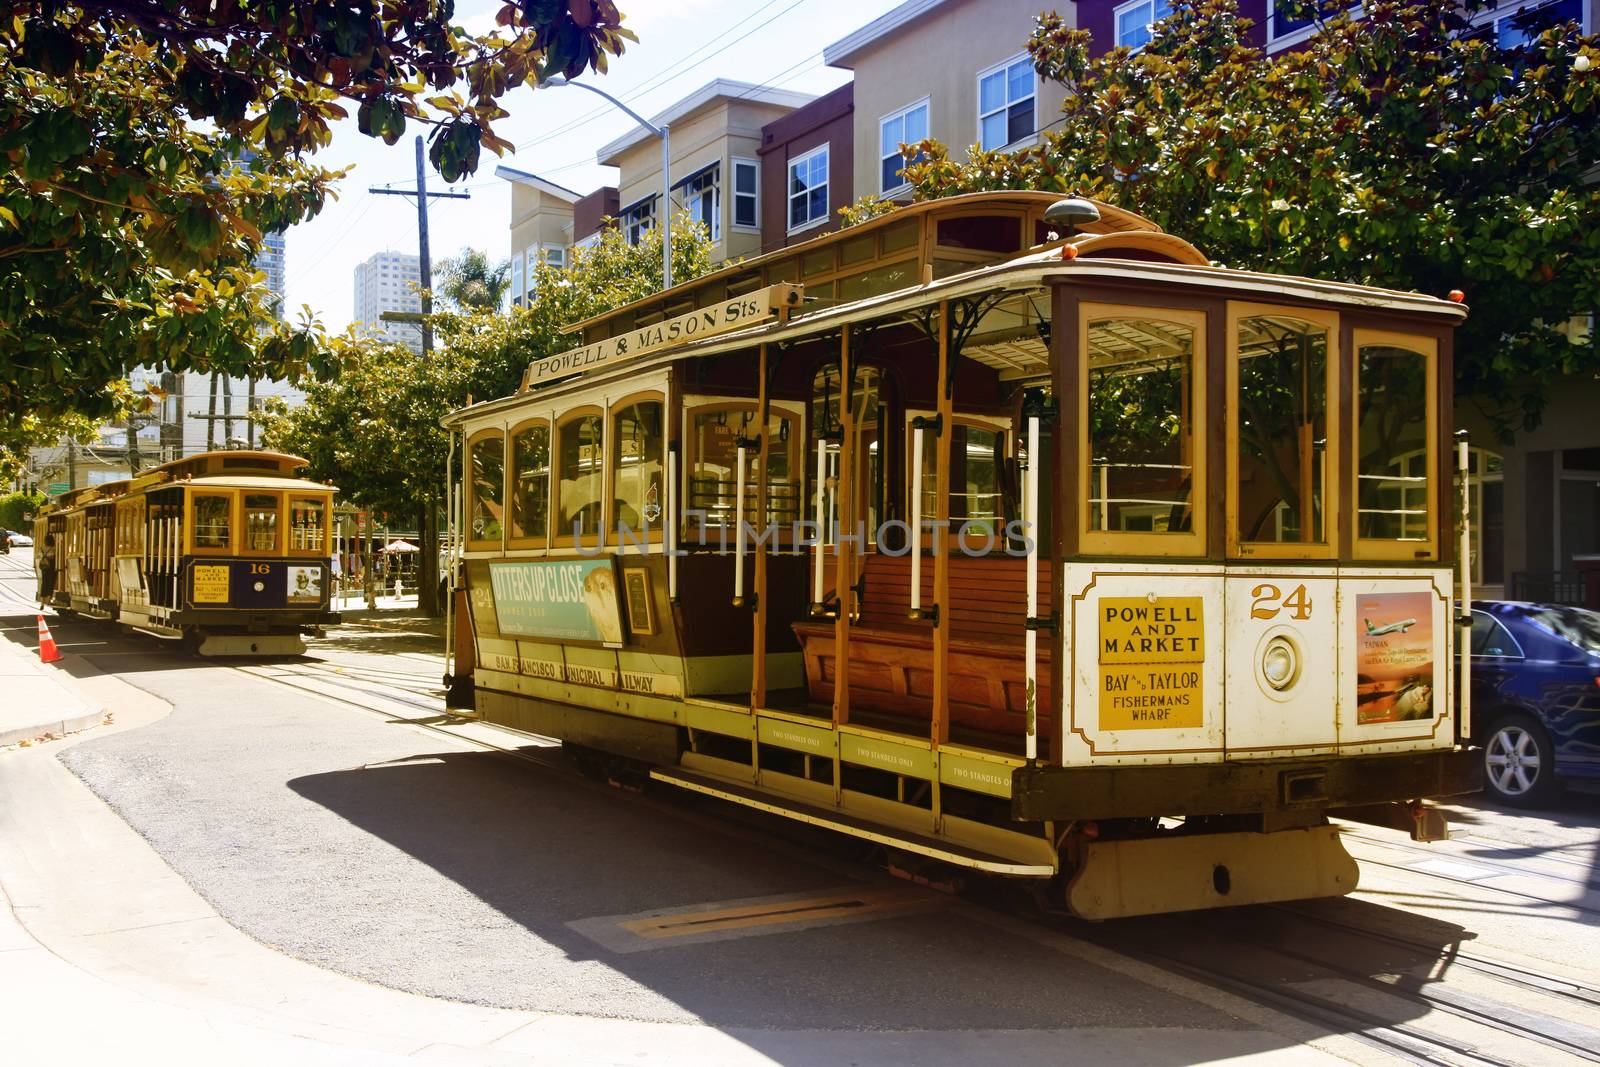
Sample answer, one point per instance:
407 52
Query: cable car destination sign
731 314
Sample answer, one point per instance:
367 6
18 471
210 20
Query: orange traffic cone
48 652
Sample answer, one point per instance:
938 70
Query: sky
683 44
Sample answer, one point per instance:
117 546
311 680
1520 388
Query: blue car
1535 697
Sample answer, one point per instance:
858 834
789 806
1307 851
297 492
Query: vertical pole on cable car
740 454
822 517
916 519
670 533
1464 561
1030 647
758 636
844 516
449 553
940 727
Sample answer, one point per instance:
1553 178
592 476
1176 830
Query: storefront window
213 521
530 481
636 459
580 468
308 524
1392 465
1141 425
488 458
260 522
1282 430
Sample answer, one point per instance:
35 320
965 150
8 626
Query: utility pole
428 520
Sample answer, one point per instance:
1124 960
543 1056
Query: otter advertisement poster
1394 657
572 600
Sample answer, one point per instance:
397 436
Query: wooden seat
891 655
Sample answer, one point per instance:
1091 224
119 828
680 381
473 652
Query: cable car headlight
1280 663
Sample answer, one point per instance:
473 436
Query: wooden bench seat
891 656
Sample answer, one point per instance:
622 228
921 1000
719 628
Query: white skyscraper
388 282
270 260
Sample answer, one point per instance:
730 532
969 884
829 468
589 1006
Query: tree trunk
428 565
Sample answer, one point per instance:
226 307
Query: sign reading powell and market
572 600
731 314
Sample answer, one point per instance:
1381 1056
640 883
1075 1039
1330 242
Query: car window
1491 638
1577 625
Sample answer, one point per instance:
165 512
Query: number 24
1270 601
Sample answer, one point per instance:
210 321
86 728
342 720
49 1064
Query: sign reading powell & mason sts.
731 314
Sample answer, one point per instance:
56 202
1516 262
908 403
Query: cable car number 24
1269 601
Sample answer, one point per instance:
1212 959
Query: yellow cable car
229 551
998 530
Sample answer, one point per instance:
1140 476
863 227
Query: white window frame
626 220
532 255
555 256
734 194
516 279
689 198
1277 42
880 155
1003 68
827 186
1492 17
1116 21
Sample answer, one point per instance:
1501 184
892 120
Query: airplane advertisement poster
1394 657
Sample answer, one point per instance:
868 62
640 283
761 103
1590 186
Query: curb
58 727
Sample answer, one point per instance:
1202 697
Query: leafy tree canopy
1404 150
469 282
147 145
374 430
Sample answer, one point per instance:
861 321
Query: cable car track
1404 1040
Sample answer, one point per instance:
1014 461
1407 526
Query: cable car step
847 823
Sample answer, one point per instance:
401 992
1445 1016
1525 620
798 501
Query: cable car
1004 532
228 551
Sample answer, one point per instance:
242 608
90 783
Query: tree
374 429
18 509
468 283
1404 151
128 222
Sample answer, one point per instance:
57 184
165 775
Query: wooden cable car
228 551
1007 533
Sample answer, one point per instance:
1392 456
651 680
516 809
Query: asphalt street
298 800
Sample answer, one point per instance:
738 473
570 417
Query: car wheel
1518 762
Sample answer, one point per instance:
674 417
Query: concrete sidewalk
39 700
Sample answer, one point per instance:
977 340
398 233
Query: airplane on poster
1393 628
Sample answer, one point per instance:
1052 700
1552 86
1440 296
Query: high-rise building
388 281
270 260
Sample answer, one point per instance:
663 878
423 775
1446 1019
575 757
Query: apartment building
1127 23
715 136
389 281
541 226
954 70
807 169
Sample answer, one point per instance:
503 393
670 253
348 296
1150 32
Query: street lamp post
666 166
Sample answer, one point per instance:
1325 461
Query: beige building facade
541 226
715 138
954 70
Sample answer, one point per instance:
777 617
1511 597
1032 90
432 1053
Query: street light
666 164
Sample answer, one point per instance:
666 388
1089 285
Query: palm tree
469 283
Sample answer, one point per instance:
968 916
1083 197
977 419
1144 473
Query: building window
531 275
1005 103
516 279
808 188
1134 21
1521 27
909 126
638 218
746 194
556 257
702 197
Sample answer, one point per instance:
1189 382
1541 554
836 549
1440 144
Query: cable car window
580 468
213 521
1392 455
260 522
868 413
714 463
976 455
530 481
636 458
1281 438
1141 426
488 458
308 524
